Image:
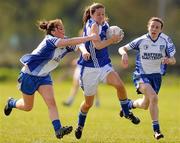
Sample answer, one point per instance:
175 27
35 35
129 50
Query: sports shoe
78 132
134 119
7 109
63 131
66 103
158 135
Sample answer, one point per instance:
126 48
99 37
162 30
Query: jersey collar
151 38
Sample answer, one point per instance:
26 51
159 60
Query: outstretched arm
75 41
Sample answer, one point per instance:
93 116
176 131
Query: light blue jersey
45 57
150 53
99 58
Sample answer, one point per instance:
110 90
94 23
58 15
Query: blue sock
82 118
12 103
130 104
124 106
156 127
56 125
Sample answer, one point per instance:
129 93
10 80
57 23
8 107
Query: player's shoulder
50 37
143 36
91 21
165 37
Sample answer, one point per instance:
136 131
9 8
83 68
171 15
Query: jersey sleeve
53 41
133 44
170 49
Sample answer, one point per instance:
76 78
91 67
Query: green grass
103 124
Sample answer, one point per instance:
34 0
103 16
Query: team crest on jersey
145 47
161 47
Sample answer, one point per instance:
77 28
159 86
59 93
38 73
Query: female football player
35 74
98 67
154 51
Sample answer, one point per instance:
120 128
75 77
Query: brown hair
156 19
48 26
89 10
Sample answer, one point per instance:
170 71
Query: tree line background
19 33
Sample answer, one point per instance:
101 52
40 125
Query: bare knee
145 106
86 106
154 99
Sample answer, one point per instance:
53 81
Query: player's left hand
165 60
86 56
124 61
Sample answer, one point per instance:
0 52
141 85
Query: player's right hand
117 38
124 61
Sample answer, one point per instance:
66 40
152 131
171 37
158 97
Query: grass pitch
103 123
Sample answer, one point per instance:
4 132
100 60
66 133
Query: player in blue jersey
98 68
154 51
35 74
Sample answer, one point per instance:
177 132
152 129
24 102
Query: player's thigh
47 93
113 79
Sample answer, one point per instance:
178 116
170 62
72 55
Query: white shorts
91 77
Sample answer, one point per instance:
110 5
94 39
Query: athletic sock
56 124
124 106
82 118
12 103
155 125
130 104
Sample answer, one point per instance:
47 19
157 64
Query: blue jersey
99 58
45 57
150 53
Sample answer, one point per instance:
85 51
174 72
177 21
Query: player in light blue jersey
35 74
154 51
98 67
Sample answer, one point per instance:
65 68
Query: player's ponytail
86 15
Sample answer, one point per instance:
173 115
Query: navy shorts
28 84
154 80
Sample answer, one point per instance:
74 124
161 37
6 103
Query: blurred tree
19 33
